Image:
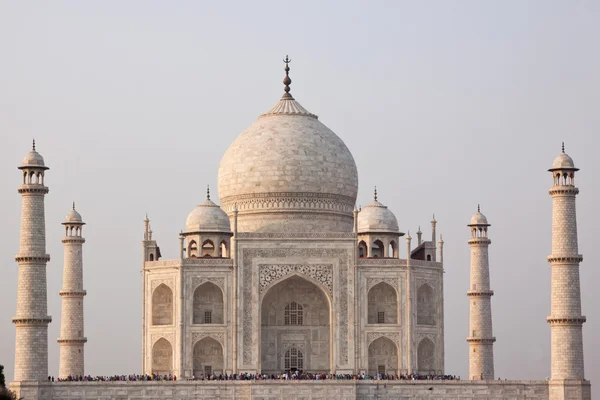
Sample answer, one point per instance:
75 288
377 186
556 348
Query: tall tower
481 341
31 321
565 318
71 323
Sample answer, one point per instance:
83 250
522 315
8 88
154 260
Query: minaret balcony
566 320
558 189
33 189
32 259
72 293
480 340
480 293
73 341
566 259
32 320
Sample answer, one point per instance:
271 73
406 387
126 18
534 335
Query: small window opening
381 317
208 317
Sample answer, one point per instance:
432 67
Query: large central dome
289 172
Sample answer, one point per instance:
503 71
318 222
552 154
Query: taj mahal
286 273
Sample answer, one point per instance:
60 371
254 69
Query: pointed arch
382 304
208 248
426 314
208 307
362 249
426 356
193 249
298 295
224 249
162 305
377 249
162 357
383 357
208 357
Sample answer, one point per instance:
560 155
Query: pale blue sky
444 104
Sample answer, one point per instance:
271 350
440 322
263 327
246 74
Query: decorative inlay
156 336
199 280
423 335
393 282
218 336
344 269
288 201
393 336
157 282
321 273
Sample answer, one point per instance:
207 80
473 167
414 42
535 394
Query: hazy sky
443 104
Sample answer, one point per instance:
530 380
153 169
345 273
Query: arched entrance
208 357
162 357
383 357
295 327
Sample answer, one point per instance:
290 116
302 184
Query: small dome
563 161
207 217
478 219
376 217
73 217
33 159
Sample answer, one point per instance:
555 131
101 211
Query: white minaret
481 340
71 323
565 318
31 349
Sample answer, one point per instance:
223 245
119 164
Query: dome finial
478 209
207 192
563 147
73 206
33 145
287 80
375 195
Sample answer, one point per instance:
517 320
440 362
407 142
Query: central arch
295 327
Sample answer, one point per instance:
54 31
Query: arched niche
208 306
162 305
426 356
382 304
162 357
208 357
383 357
426 305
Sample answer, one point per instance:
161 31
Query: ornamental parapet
565 259
566 320
564 190
32 320
72 341
397 262
481 340
32 259
480 293
73 239
33 189
72 293
295 235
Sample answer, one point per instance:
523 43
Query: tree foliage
2 380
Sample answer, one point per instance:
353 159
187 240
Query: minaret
565 318
71 322
433 236
481 340
31 349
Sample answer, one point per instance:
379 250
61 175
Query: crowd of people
288 375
